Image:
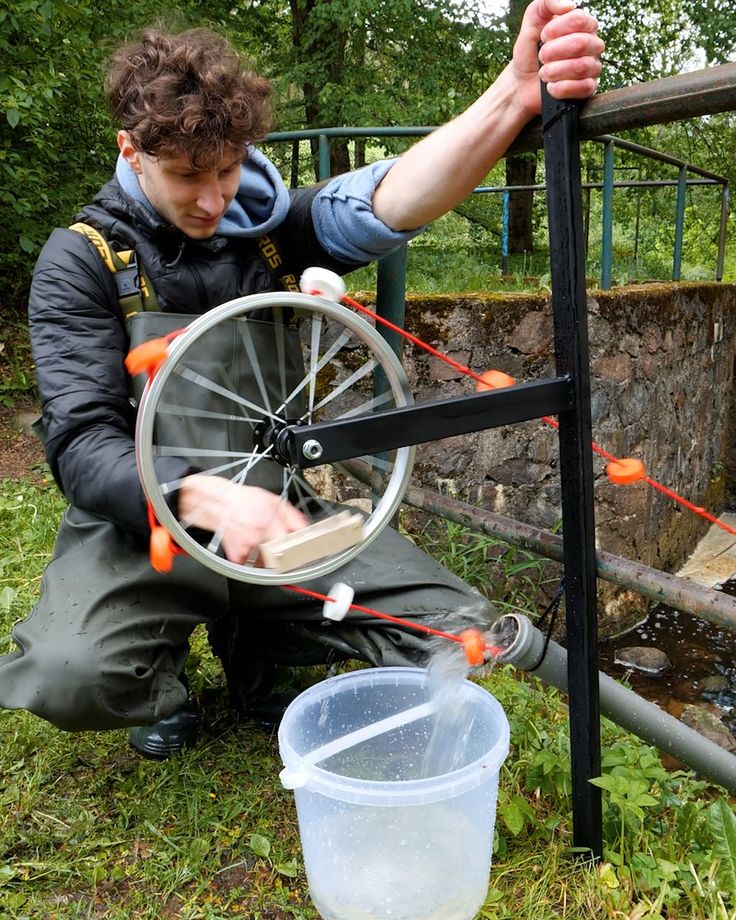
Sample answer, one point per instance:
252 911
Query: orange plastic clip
493 380
474 646
624 472
161 549
147 357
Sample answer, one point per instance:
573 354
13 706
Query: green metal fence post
391 295
679 223
722 232
607 230
324 157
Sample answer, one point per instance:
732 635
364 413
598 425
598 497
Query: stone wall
662 362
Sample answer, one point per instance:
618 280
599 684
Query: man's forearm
443 168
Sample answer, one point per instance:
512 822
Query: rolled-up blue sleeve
344 221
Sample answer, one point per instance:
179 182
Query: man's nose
211 198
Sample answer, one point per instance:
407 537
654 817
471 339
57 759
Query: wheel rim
242 347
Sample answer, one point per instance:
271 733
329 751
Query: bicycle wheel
253 364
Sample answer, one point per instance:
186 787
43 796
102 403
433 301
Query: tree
396 62
521 169
56 140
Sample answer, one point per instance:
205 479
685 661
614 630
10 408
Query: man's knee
71 690
81 689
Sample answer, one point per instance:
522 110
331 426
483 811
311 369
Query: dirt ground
21 454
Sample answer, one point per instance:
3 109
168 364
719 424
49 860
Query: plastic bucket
381 836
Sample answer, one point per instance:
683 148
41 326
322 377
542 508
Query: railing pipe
689 95
390 296
622 183
679 224
607 220
378 131
722 232
651 154
324 156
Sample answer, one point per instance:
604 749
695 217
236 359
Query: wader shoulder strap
135 292
271 255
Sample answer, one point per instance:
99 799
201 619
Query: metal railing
713 87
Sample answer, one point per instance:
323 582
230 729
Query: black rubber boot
169 736
266 710
258 688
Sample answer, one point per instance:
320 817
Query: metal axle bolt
312 450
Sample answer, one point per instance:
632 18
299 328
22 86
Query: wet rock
620 611
716 683
647 660
441 370
708 724
533 335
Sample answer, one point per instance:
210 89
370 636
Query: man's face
193 200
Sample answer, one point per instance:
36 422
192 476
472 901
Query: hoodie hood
260 204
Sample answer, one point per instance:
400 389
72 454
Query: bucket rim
299 774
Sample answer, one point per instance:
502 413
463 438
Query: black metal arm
326 442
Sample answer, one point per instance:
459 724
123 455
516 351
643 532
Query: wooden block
325 538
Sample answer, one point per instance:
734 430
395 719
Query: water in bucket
393 825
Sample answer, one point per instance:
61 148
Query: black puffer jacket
79 338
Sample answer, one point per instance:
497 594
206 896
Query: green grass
90 830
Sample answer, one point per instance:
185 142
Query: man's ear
129 153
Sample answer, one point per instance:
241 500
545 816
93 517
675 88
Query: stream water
697 651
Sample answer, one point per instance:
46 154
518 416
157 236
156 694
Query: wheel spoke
313 356
346 384
238 479
306 492
326 358
255 364
173 450
202 381
214 545
278 331
174 485
190 412
368 406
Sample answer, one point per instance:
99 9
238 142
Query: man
106 645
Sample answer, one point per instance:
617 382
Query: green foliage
57 144
513 578
88 828
722 825
16 377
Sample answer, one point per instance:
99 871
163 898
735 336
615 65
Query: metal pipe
607 230
689 95
722 233
652 154
679 224
390 305
631 183
660 587
524 647
569 313
324 156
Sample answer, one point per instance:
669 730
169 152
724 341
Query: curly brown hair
188 93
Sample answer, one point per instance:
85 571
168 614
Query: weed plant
16 373
89 829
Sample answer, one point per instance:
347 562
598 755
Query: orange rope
546 418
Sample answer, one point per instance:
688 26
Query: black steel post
569 302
